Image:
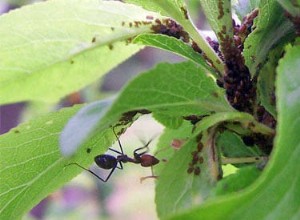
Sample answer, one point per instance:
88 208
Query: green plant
214 104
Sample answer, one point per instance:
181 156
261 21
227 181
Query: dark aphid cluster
170 28
193 118
264 142
220 9
136 24
196 47
173 29
128 117
185 13
237 79
242 31
240 87
265 117
197 160
215 45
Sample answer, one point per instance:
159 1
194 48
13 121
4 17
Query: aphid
201 160
110 46
196 47
215 94
197 171
170 28
177 143
110 162
190 170
221 10
149 17
199 146
196 159
137 23
184 12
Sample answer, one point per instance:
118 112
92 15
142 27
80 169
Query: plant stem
257 127
204 45
239 160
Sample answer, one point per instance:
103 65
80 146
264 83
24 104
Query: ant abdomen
147 160
106 161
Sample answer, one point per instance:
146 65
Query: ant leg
118 140
142 153
121 166
146 146
113 150
98 177
148 177
111 172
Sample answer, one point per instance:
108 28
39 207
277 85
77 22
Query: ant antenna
145 145
113 128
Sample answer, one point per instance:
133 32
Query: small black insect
110 162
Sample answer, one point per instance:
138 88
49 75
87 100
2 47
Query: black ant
107 161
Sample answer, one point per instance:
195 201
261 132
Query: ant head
148 160
106 161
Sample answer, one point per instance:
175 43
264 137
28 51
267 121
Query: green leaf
266 80
172 89
271 28
244 7
276 194
31 165
175 90
177 190
170 142
218 14
293 7
18 2
177 10
168 121
173 45
170 8
243 178
53 48
232 145
82 124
